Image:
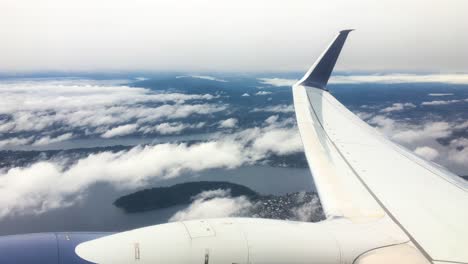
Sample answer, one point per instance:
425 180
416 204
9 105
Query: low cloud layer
276 109
228 123
203 77
436 141
398 107
445 102
440 94
58 110
381 78
278 81
46 185
402 78
263 93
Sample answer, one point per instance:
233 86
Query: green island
183 193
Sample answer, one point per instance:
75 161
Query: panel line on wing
395 220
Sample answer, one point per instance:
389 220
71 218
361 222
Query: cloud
120 131
307 211
430 130
263 93
219 203
458 153
276 109
86 107
48 140
204 77
47 185
279 82
170 128
211 204
401 78
279 141
245 95
398 107
427 152
409 133
364 115
379 78
444 102
425 140
440 94
6 126
272 119
50 184
228 123
462 125
16 141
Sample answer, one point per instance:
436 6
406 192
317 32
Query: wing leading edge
362 176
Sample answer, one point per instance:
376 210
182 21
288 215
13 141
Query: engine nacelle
228 240
234 240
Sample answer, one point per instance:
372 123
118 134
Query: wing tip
347 30
320 72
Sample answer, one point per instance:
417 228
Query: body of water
95 212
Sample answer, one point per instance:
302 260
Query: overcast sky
241 35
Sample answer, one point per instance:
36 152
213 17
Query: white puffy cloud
272 119
219 203
380 78
462 125
46 185
444 102
204 77
364 115
119 131
410 133
276 109
402 78
48 107
228 123
48 140
427 152
430 130
170 128
263 93
211 204
398 107
440 94
307 211
6 126
458 152
280 141
15 141
278 81
424 140
50 184
245 95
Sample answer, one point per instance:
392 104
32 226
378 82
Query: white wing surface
363 176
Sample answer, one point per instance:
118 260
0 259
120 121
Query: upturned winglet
320 72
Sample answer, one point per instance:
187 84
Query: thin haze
241 35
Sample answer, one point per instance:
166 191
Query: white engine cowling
239 241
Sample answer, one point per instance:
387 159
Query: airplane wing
362 176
